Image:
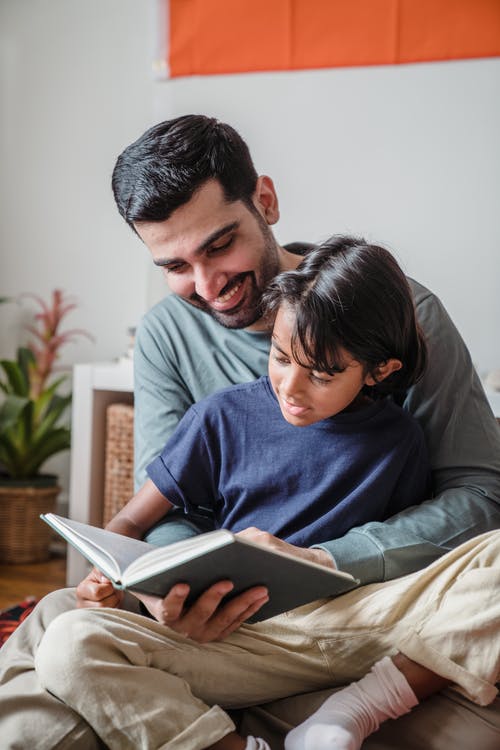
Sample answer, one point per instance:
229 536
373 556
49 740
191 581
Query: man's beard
249 310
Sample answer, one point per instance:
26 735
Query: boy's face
217 255
306 396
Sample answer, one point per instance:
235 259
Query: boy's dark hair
352 295
163 168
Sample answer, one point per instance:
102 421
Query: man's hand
97 591
318 556
204 620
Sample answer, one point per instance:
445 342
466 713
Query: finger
101 578
93 591
257 536
242 618
97 595
173 603
249 531
96 576
199 613
113 601
229 616
102 591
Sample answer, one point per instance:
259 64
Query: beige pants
135 681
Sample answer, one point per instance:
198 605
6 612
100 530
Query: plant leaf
17 383
26 426
54 410
46 395
11 410
56 441
9 456
25 360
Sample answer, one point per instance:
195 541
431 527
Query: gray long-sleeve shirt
182 355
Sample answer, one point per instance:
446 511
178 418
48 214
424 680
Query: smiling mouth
230 294
294 409
225 302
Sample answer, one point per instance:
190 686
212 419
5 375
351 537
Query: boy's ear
266 200
383 370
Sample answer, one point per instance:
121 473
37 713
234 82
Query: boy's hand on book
312 554
205 620
97 591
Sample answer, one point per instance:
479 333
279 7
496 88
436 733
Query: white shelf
112 376
95 387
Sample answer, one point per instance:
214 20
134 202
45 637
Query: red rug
12 617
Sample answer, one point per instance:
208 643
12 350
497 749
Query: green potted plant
32 429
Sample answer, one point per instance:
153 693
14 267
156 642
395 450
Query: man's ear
383 370
266 200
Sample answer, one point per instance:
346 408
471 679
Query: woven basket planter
24 537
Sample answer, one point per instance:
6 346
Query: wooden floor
19 581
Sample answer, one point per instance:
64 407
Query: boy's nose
291 384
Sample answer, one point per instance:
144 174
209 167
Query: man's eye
174 269
219 248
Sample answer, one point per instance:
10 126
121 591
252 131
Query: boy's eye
321 379
280 359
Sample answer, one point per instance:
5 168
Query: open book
202 561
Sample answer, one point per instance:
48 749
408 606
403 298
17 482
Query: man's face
305 395
216 255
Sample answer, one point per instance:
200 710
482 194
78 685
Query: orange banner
210 37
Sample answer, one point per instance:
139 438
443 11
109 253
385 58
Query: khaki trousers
140 685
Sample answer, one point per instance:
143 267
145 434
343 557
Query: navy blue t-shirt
234 452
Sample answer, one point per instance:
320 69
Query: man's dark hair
351 295
162 169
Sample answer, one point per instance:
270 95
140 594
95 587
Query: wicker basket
24 537
119 465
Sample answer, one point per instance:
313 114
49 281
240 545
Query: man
189 190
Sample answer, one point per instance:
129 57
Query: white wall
75 88
408 155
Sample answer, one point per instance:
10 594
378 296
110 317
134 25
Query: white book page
109 552
162 558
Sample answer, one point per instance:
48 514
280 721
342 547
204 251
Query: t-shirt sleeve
186 471
161 397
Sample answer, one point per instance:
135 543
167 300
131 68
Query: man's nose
208 283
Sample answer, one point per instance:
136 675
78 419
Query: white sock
347 717
256 743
